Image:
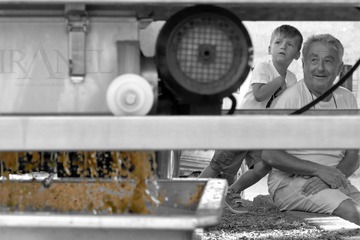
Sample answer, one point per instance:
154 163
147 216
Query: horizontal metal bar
178 132
247 10
171 2
312 112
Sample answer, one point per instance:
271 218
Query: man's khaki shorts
289 197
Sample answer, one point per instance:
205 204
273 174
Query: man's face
321 66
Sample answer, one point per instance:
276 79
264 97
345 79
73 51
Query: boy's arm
264 91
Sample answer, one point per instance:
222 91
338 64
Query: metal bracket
77 27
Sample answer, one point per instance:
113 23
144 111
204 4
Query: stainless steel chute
189 204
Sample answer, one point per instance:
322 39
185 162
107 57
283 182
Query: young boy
269 79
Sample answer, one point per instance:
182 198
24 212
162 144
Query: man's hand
314 185
333 177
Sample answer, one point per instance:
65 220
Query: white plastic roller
130 95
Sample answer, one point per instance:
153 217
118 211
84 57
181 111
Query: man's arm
286 162
350 163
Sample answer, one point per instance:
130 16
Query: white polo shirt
298 96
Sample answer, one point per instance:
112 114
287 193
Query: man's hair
326 39
287 31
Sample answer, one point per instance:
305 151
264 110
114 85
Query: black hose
233 105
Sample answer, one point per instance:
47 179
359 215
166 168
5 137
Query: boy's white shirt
264 73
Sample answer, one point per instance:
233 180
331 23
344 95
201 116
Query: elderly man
316 180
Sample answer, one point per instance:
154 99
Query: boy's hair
287 31
327 39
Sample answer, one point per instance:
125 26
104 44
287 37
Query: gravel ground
265 221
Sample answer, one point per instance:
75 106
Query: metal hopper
187 204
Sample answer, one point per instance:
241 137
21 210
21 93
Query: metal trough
188 204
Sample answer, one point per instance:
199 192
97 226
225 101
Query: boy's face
284 49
